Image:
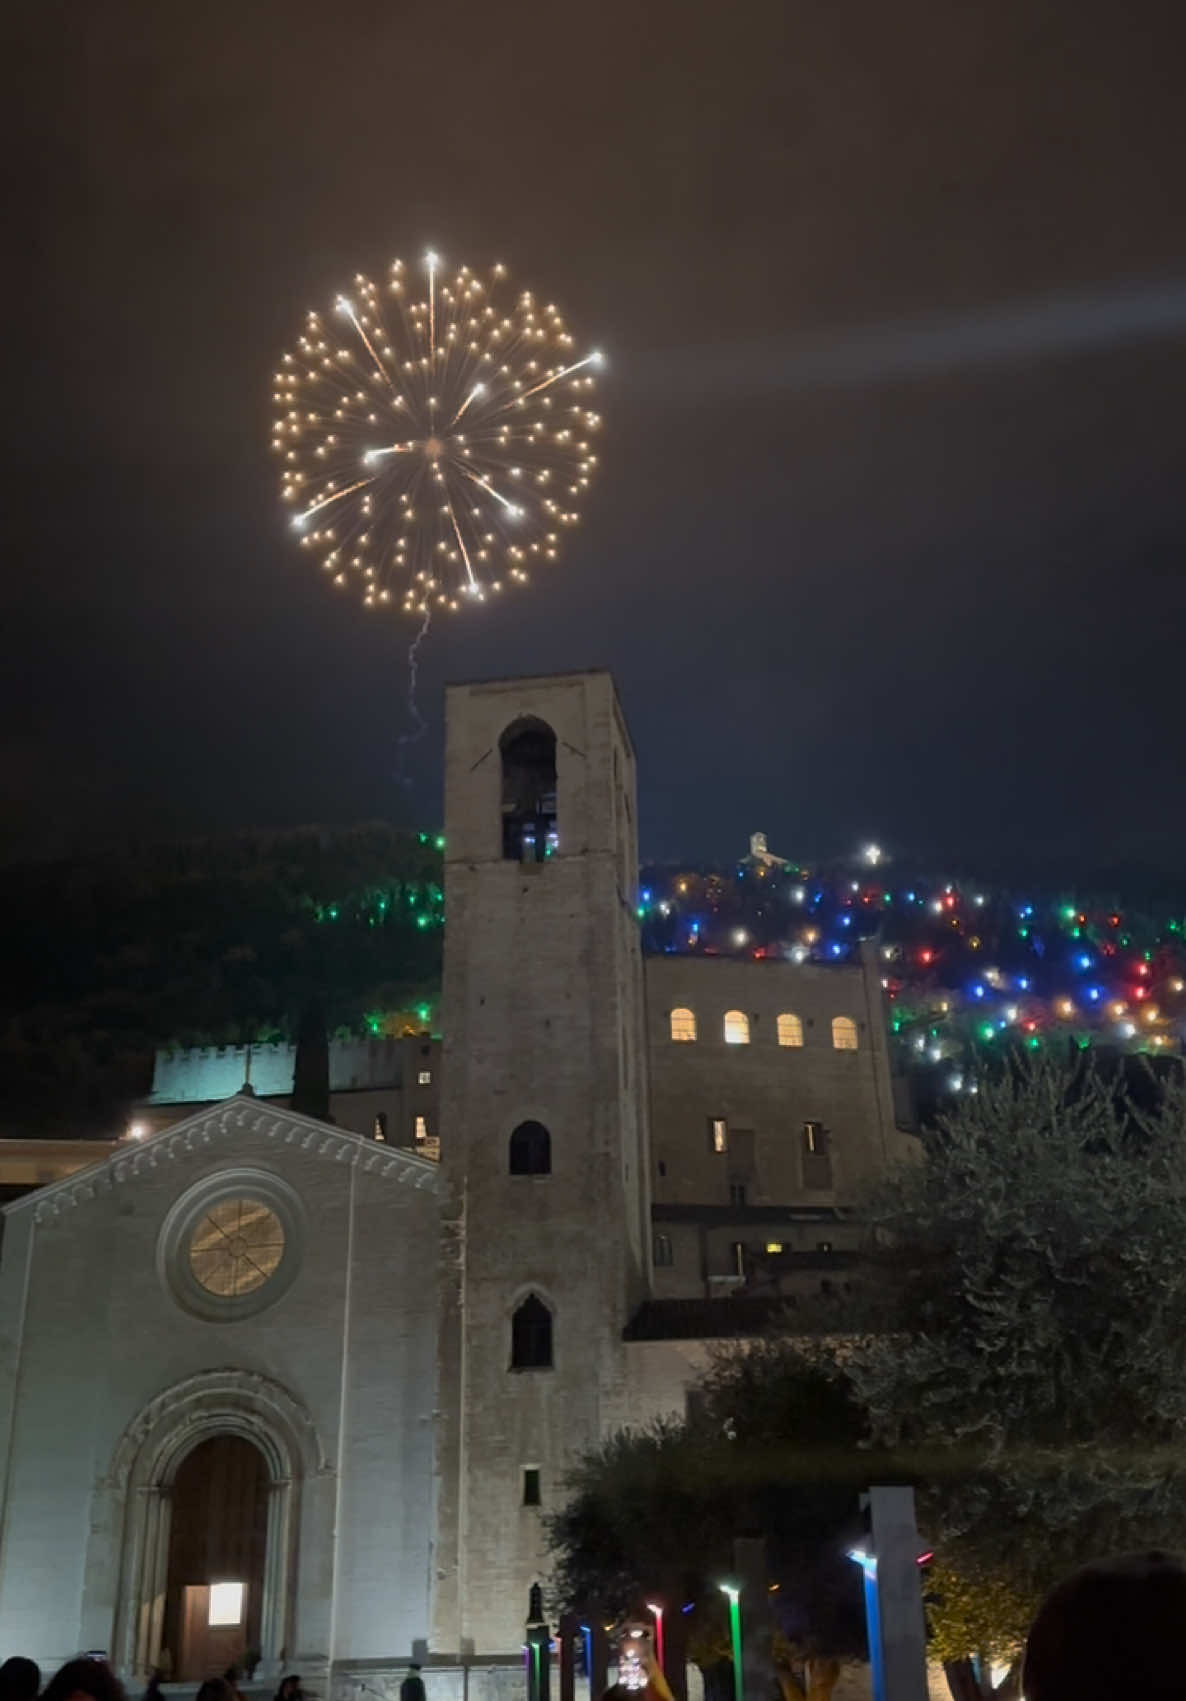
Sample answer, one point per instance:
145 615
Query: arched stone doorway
148 1480
217 1553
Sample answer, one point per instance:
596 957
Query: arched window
683 1025
530 1150
790 1029
844 1033
528 751
736 1027
531 1336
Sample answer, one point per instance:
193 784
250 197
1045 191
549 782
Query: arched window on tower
530 1150
736 1027
790 1029
844 1033
683 1025
531 1336
528 751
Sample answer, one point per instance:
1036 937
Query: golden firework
433 450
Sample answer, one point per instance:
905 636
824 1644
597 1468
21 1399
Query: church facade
303 1390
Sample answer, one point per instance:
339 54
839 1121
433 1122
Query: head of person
1117 1627
20 1679
215 1689
84 1680
289 1686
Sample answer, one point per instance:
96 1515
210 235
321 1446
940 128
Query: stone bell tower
545 1231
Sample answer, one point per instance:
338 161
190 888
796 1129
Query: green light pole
733 1590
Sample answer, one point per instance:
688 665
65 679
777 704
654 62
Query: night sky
889 533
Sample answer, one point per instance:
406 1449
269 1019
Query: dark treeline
215 941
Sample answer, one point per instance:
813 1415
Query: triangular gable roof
220 1122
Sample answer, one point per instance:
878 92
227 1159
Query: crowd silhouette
1116 1627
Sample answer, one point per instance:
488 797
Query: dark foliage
202 943
770 1448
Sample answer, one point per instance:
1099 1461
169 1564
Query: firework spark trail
348 308
487 486
461 546
472 418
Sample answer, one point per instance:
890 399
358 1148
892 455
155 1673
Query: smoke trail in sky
1021 331
418 726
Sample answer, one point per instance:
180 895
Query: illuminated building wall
545 1232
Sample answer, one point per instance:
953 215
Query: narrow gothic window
531 1336
530 1150
736 1027
528 750
380 1128
718 1134
790 1029
817 1157
663 1255
844 1033
683 1025
531 1496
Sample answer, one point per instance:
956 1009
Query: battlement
206 1074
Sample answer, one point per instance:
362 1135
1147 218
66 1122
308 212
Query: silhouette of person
1117 1627
20 1679
84 1680
412 1688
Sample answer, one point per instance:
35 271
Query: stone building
275 1385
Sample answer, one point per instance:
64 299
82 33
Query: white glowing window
844 1033
790 1029
683 1025
226 1605
424 1078
421 1128
718 1134
736 1027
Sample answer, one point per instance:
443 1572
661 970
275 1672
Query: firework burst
434 446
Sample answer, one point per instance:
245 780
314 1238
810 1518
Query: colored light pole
868 1565
658 1612
733 1591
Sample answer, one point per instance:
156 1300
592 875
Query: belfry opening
528 751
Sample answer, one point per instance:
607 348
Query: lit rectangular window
718 1134
422 1128
774 1246
226 1605
531 1496
813 1137
380 1129
424 1078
